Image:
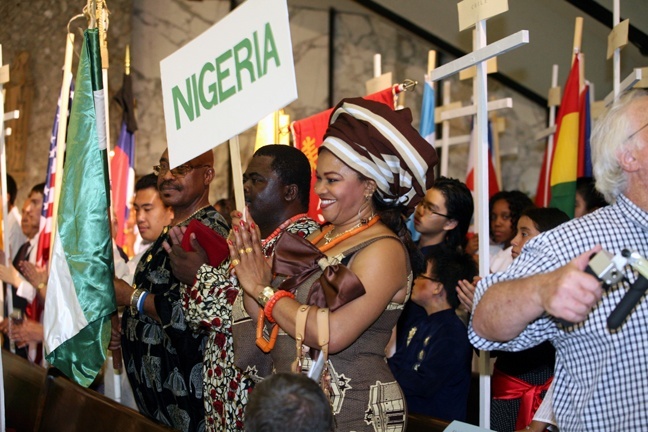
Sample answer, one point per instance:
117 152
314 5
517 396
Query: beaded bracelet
140 302
271 303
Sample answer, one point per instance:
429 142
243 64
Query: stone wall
156 28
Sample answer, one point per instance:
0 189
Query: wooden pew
70 407
24 383
423 423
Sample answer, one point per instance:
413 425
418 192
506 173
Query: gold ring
248 250
235 262
241 251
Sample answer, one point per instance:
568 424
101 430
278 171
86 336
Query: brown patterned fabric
382 145
298 259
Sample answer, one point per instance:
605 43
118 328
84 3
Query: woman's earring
364 221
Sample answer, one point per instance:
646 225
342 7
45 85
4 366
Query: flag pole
3 168
102 18
62 131
550 139
237 174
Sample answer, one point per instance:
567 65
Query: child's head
588 198
534 221
445 268
505 210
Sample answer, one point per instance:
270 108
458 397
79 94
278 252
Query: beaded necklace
191 215
280 228
330 243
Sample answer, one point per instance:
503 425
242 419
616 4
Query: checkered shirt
601 376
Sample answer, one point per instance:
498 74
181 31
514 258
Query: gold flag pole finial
102 13
127 61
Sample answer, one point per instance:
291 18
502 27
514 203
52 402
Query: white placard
228 78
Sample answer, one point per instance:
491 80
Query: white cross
452 110
477 12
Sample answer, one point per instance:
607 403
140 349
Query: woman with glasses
372 170
442 218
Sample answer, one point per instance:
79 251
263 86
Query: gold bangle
265 295
134 300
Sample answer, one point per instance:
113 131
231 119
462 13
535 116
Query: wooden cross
617 39
476 12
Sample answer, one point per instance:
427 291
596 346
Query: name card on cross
491 67
378 83
4 74
643 82
471 11
555 96
618 37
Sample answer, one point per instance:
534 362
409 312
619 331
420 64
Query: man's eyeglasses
429 278
636 132
179 171
427 210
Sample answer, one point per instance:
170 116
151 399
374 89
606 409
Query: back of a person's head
291 166
459 206
586 188
145 182
12 190
450 266
545 218
288 402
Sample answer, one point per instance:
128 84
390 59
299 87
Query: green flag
80 294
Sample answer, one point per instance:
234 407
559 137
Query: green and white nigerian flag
80 293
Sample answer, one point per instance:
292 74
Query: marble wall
156 28
39 28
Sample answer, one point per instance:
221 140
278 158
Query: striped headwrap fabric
382 145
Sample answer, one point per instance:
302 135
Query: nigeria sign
228 78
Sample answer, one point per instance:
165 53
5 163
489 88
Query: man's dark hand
185 264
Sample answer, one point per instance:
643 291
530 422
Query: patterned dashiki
164 359
208 306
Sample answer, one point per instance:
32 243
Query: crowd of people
260 319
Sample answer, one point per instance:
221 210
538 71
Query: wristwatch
265 295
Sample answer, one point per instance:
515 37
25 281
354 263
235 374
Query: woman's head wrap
382 145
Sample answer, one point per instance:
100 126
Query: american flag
45 239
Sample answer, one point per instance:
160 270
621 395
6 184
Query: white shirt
15 236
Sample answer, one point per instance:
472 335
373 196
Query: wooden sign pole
3 170
237 175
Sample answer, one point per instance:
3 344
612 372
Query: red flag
543 193
493 185
564 164
308 135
